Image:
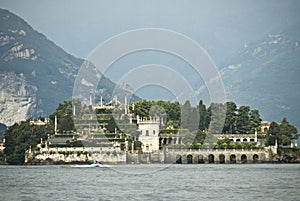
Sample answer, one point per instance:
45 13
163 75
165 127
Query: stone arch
178 159
189 158
245 140
252 140
238 140
255 158
211 158
232 158
222 158
244 158
200 158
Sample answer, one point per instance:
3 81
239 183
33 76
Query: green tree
288 132
284 133
64 114
217 113
194 120
202 116
273 134
189 117
199 137
242 120
142 108
232 145
240 145
19 137
223 143
2 157
254 121
173 111
229 125
111 124
159 112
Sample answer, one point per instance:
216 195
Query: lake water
152 182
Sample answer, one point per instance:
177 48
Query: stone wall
218 156
202 156
77 154
116 156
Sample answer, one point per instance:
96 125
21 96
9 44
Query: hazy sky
79 26
220 27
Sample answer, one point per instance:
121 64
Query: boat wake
91 165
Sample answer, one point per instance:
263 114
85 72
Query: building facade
149 134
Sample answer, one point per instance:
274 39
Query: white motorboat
91 165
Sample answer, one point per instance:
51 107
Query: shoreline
44 163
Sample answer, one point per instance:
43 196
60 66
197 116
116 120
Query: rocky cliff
35 73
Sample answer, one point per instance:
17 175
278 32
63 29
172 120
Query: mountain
35 73
265 75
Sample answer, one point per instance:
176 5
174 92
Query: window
153 132
147 132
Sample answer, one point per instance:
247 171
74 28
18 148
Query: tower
55 124
101 101
125 105
91 103
149 130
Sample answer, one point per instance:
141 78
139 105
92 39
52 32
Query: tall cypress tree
186 110
202 116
